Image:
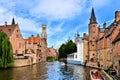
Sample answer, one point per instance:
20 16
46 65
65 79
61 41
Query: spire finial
93 18
13 21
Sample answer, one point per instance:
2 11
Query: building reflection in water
46 71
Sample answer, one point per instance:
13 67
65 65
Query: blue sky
63 18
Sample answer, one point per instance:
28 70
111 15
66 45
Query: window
93 25
19 45
16 51
0 30
76 56
9 30
17 36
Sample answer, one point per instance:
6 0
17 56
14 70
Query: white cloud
27 25
48 10
58 9
54 30
5 15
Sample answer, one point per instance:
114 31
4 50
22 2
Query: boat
62 63
96 75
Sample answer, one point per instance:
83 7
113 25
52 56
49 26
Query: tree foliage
6 53
67 48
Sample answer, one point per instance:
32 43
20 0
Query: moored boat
96 75
62 63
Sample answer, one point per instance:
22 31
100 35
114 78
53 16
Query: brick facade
37 45
104 43
52 52
15 36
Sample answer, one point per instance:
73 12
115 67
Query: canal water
46 71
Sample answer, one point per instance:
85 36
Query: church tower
93 35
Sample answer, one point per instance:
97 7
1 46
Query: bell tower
93 35
43 43
44 34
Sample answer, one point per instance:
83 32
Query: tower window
17 36
19 45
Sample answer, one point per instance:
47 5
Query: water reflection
55 71
46 71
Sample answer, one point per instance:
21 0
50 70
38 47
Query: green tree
6 53
67 48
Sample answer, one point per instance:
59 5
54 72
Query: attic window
0 30
9 30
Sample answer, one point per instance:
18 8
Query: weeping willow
6 53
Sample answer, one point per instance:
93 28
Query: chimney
104 25
117 16
5 24
84 36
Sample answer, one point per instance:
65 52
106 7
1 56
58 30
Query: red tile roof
33 39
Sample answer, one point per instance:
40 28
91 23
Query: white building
77 57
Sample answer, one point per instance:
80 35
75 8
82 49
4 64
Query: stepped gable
117 38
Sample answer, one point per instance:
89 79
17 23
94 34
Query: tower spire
93 18
13 21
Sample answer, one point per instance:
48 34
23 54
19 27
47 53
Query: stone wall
21 62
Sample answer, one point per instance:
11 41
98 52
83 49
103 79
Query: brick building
104 43
85 47
93 36
37 45
15 36
26 51
52 52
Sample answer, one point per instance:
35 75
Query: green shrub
50 58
